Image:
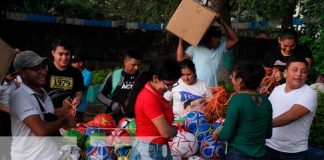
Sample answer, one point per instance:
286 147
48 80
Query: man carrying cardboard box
209 53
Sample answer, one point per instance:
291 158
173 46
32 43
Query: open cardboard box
7 56
190 21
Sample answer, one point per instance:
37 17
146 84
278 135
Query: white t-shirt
207 61
292 138
25 145
184 92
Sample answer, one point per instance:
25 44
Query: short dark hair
132 53
288 34
296 59
77 58
214 31
61 41
251 74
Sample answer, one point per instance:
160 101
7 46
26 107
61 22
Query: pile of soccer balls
194 138
102 139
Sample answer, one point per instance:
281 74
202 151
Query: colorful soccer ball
122 152
202 131
211 149
131 128
81 128
120 136
124 122
192 120
178 119
75 134
103 121
91 130
97 139
100 152
184 144
218 123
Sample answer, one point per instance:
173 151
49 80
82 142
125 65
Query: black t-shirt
63 84
276 59
121 92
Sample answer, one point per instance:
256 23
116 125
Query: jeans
277 155
142 150
235 154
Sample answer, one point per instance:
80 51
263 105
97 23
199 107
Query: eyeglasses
170 86
38 68
284 47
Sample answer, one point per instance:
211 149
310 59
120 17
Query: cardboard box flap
7 56
190 21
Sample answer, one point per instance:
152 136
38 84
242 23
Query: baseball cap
27 59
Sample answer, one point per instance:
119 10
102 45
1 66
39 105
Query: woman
189 88
288 47
248 117
153 114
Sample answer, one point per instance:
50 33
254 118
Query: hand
67 105
76 101
215 135
70 121
115 107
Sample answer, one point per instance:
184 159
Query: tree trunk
221 7
287 20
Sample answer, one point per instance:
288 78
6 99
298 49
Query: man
30 107
79 63
207 56
114 91
63 80
294 105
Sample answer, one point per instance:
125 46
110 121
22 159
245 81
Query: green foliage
98 77
316 138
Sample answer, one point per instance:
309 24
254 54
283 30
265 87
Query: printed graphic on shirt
127 85
279 63
187 95
59 82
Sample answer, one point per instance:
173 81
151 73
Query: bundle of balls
102 139
194 138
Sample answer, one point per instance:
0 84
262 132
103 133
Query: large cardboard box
190 21
6 58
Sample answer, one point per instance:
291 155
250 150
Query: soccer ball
211 149
103 121
100 152
75 134
81 128
122 152
91 130
192 120
131 128
178 119
97 139
124 122
120 136
202 131
218 123
184 144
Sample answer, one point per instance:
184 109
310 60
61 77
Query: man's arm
181 55
41 128
4 108
296 112
233 38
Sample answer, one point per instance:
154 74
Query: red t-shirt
150 105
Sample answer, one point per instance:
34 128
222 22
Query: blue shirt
87 79
207 61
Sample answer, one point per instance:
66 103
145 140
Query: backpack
115 80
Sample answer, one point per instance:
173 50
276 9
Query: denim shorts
142 150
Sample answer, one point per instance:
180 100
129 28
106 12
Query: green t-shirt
248 124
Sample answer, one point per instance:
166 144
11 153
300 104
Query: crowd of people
39 97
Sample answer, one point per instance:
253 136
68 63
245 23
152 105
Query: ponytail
140 82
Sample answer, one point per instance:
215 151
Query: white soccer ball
184 144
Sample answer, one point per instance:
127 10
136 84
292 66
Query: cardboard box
7 56
190 21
